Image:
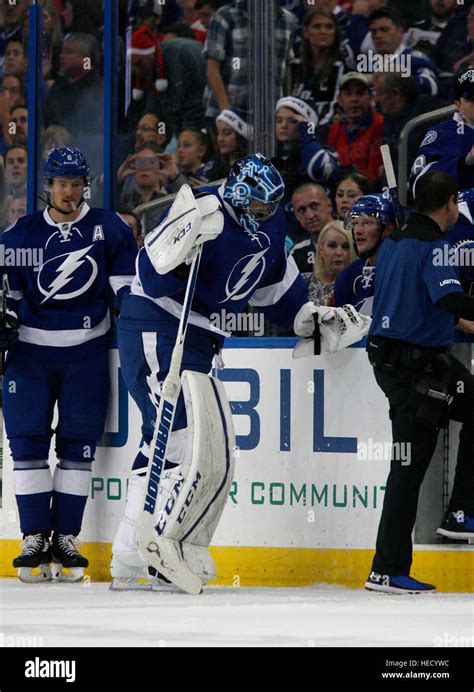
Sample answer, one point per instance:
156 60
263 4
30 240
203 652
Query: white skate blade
25 574
73 574
165 555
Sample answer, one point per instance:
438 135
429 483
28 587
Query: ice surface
80 615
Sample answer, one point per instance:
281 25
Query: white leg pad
192 498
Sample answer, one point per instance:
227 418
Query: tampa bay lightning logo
76 270
245 276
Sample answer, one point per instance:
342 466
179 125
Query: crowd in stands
349 75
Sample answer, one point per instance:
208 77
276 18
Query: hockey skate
35 554
129 571
66 554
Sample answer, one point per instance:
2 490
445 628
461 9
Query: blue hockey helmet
254 188
378 206
466 203
66 162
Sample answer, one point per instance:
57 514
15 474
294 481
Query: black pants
394 545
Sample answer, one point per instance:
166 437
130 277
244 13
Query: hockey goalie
239 229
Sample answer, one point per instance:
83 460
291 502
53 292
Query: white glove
304 322
189 223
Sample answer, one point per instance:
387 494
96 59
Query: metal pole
34 102
110 104
262 73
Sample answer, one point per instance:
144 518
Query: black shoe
66 553
457 525
36 551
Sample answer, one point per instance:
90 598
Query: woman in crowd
193 156
300 157
334 253
317 73
351 186
233 133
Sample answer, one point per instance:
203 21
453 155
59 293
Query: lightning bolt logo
241 287
65 274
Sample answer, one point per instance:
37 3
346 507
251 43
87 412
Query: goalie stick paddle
153 548
392 184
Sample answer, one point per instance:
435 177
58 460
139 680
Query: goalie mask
379 211
254 188
64 162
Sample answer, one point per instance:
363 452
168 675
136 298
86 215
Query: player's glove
8 331
308 319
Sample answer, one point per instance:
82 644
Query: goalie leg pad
194 500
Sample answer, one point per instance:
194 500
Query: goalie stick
392 184
152 548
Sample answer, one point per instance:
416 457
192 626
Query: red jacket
363 151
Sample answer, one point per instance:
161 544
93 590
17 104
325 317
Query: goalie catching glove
189 223
327 330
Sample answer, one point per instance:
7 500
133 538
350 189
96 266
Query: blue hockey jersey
355 285
445 148
59 275
237 269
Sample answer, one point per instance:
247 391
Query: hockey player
244 264
371 219
56 334
449 147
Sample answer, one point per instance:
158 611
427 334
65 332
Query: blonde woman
333 254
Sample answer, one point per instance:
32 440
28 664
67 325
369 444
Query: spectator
192 20
300 156
357 135
358 33
135 224
334 253
54 137
83 17
350 188
206 9
15 171
400 101
75 101
16 208
163 171
312 208
12 24
388 31
15 58
147 57
233 133
316 76
185 70
455 43
424 35
469 58
51 41
193 156
19 119
449 145
227 46
179 30
11 95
